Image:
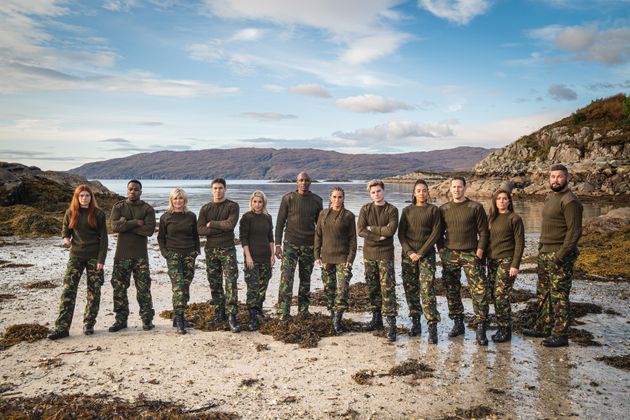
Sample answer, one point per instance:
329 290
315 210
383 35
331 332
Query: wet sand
521 379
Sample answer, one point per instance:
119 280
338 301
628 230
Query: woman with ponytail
84 232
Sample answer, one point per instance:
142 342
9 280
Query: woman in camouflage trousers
85 234
505 250
179 244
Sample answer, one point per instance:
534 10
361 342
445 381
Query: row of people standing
459 229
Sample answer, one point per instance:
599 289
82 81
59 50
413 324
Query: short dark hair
135 181
459 178
218 181
560 167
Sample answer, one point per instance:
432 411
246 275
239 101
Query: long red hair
75 207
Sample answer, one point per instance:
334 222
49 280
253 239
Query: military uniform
256 233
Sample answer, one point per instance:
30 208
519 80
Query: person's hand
318 262
513 271
140 222
249 263
99 267
348 264
414 257
67 242
278 252
479 253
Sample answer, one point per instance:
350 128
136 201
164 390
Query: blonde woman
256 235
179 244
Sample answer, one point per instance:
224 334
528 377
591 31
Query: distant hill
259 163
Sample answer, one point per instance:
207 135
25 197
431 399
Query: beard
558 187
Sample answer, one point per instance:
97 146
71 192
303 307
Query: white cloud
273 88
268 116
119 5
371 103
373 47
248 34
456 11
397 132
310 90
210 51
561 93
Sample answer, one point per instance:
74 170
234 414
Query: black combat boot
376 323
482 340
391 328
532 332
234 327
433 337
503 334
118 326
253 319
147 325
56 335
337 325
416 326
458 328
261 315
219 316
181 324
88 329
187 323
556 341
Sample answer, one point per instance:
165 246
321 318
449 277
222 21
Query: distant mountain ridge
268 163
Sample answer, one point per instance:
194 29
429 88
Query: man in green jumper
134 221
216 222
462 247
297 217
561 229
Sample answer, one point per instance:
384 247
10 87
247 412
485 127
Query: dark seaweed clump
22 332
45 284
476 412
620 362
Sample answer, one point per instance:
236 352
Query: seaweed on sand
22 332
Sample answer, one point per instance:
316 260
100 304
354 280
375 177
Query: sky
84 81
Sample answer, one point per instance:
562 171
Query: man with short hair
216 222
465 238
561 229
134 221
377 224
297 217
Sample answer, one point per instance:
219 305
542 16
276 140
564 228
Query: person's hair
459 178
343 206
135 181
413 191
494 210
174 193
75 207
560 167
375 183
218 181
260 195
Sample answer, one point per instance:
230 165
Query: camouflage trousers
418 280
257 280
381 281
181 270
221 263
336 279
552 291
121 280
453 261
295 256
500 286
95 280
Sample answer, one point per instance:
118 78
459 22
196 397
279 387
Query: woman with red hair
84 232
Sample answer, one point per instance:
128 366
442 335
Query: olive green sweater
561 224
256 232
335 237
87 242
297 217
132 239
465 225
383 221
178 233
222 217
420 228
507 238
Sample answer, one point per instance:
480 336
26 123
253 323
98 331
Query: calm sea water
156 193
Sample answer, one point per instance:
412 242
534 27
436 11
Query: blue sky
87 81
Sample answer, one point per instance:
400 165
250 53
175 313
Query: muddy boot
234 327
482 340
337 325
88 329
503 334
433 337
181 324
416 326
56 335
458 328
376 323
552 341
391 328
531 332
118 326
253 319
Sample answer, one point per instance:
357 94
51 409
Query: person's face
178 202
336 199
218 191
421 193
84 199
377 194
502 202
134 191
303 183
458 189
557 180
257 205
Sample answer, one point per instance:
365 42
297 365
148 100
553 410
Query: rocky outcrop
410 178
